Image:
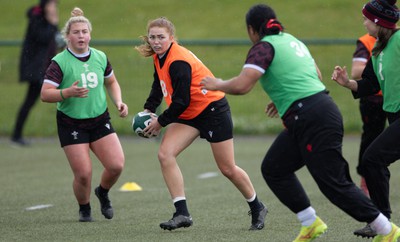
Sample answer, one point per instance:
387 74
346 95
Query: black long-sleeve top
369 83
181 77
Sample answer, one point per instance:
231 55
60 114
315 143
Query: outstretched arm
238 85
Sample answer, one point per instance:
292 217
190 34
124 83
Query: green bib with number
292 74
90 74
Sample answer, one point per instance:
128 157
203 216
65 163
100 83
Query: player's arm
238 85
181 79
368 85
155 97
357 69
360 59
114 90
340 76
51 92
318 72
257 62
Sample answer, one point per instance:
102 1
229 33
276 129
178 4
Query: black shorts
81 131
214 123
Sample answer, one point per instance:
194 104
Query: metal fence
124 42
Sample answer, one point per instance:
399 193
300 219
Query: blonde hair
76 17
162 22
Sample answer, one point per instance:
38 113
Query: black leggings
383 151
31 97
374 120
313 138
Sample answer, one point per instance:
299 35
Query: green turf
41 175
203 20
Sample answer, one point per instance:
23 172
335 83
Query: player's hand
154 127
209 83
340 76
76 91
123 109
271 110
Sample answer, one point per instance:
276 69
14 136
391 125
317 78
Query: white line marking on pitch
41 206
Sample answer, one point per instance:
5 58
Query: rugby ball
140 121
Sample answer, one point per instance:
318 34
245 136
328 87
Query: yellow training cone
130 187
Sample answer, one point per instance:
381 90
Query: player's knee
83 178
164 157
228 172
116 168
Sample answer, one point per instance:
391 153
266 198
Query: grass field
204 20
40 175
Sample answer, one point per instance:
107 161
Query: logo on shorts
107 125
210 133
75 134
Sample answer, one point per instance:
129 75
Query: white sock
176 199
307 216
381 225
252 198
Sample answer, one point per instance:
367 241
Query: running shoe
85 216
177 222
366 232
309 233
393 236
258 218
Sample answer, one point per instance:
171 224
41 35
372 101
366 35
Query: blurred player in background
313 131
191 113
75 80
38 48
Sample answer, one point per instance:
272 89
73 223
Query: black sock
255 205
103 190
84 207
181 208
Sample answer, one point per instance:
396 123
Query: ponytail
271 27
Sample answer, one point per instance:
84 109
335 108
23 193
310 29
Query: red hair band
272 23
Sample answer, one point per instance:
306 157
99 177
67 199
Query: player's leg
224 156
278 168
320 142
109 151
81 166
176 138
31 97
374 120
280 163
379 155
75 142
